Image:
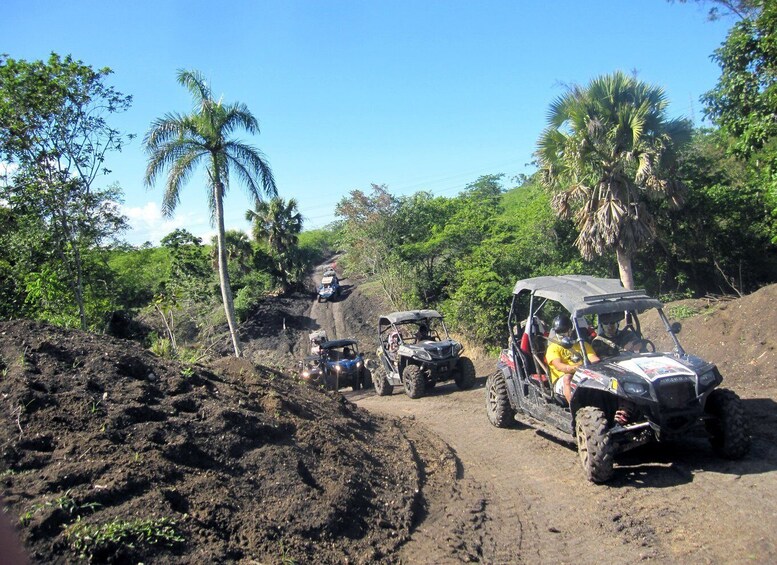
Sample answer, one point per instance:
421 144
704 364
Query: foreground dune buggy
623 401
416 352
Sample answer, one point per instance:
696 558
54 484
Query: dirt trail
518 495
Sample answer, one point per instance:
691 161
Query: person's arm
591 354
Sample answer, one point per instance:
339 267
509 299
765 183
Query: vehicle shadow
345 292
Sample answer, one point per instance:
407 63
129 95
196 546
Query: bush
257 285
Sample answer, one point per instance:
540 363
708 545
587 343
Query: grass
64 502
682 312
90 540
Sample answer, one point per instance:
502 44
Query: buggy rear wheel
413 380
728 429
498 408
594 444
465 375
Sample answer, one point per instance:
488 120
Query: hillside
113 453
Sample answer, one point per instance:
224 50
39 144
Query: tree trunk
624 267
226 290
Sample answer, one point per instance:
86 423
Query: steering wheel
646 346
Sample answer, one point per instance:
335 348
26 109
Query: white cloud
148 224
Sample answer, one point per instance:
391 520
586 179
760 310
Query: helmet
562 324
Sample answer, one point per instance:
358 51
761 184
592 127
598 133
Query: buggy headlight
457 347
338 368
707 378
305 374
358 364
634 388
423 355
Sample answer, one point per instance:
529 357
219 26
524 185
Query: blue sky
417 95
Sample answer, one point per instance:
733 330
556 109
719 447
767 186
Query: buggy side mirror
676 327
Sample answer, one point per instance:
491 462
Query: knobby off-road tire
728 429
498 408
366 378
465 375
594 444
380 381
413 380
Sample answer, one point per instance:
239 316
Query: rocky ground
110 454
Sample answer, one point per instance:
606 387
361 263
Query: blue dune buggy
329 287
343 365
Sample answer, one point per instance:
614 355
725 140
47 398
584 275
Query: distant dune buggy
329 288
625 400
416 352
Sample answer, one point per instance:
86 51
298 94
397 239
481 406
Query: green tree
239 252
279 223
608 146
180 143
744 99
54 128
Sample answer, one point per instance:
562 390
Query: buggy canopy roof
583 294
335 343
409 316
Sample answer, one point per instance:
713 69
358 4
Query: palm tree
279 224
180 143
238 248
607 148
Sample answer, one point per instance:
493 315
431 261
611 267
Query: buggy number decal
654 367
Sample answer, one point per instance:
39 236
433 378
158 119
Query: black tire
498 408
381 383
357 382
728 428
465 373
366 378
413 380
594 444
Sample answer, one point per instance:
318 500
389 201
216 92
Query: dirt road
519 496
669 504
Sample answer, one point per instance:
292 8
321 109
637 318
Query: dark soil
245 463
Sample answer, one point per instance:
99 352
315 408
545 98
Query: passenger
393 342
564 356
347 353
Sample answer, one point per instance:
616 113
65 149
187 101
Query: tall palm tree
179 143
279 223
607 148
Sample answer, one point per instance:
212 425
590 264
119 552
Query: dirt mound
110 452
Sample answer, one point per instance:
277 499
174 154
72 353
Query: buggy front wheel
382 385
413 380
594 444
727 426
465 373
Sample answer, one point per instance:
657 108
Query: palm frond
195 83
